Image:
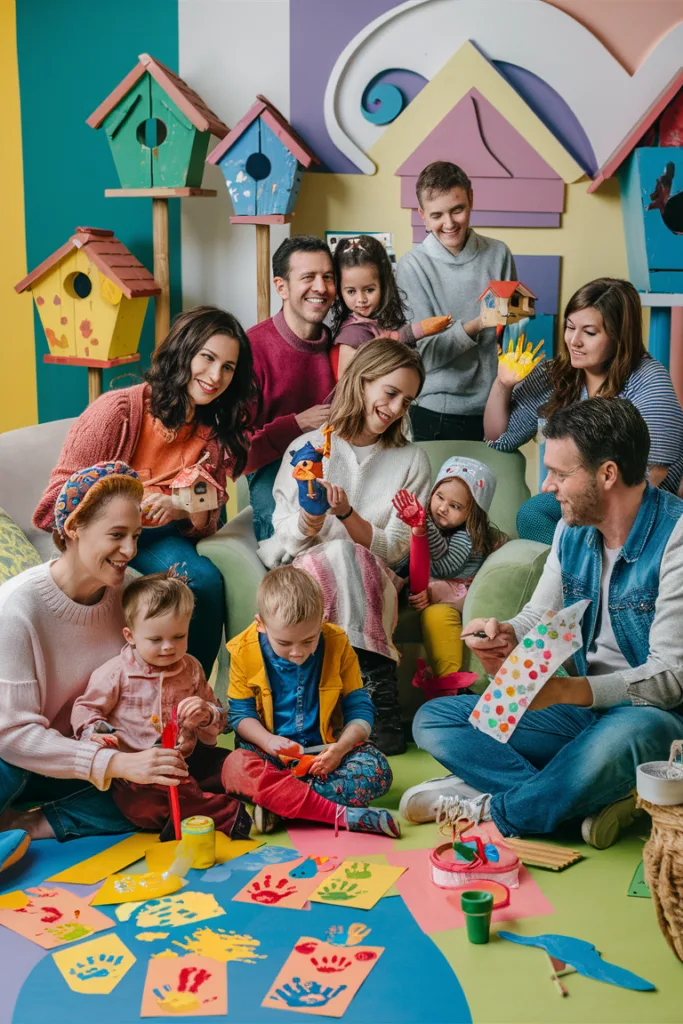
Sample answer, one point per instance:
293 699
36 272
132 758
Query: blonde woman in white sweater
59 622
352 548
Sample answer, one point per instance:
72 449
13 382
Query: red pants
147 807
247 774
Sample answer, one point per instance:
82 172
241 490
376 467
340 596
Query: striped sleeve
449 554
650 389
527 398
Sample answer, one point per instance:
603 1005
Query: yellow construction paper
151 936
356 883
181 908
96 967
117 857
160 857
131 888
14 900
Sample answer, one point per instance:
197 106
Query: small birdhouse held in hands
91 295
157 127
263 161
505 302
195 490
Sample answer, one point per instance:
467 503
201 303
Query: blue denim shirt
634 585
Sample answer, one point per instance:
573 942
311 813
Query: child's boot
371 819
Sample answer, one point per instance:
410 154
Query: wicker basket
663 860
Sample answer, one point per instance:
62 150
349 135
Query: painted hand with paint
307 993
517 361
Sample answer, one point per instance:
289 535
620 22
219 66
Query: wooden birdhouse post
195 490
263 161
92 297
505 302
158 130
649 166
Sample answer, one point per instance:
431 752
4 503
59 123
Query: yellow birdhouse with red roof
92 296
505 302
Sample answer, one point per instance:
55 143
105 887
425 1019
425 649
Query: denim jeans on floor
261 497
72 807
159 549
561 764
437 426
538 517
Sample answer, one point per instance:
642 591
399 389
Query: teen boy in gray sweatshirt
446 274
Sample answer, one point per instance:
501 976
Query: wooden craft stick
539 855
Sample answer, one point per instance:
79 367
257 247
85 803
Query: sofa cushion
16 552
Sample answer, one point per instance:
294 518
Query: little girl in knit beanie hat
456 535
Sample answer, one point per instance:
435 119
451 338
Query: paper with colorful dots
526 671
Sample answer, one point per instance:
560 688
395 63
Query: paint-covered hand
270 894
327 761
97 967
409 510
307 993
357 870
340 892
435 324
330 965
517 361
108 739
283 745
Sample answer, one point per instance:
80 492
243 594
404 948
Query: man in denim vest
574 754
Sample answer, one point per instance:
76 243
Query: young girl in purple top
369 303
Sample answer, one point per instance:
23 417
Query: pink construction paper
311 840
437 910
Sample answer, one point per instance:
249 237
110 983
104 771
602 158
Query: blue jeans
261 497
72 807
561 764
538 517
159 549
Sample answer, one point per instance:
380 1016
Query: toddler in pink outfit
130 699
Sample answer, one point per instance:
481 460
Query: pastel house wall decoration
92 296
263 161
157 127
195 490
506 302
649 166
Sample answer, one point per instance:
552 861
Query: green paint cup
477 907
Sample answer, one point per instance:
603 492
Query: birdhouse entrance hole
258 166
78 285
151 133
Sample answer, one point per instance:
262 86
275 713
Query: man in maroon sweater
291 362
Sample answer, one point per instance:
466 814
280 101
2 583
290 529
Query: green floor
506 983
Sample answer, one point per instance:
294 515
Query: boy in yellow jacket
296 689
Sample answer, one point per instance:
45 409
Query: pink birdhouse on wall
506 302
195 490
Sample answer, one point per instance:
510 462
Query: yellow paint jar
199 839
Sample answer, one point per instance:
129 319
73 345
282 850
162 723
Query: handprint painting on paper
319 978
276 886
95 967
191 986
357 884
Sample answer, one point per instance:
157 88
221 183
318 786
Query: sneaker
372 819
602 829
420 803
265 821
450 809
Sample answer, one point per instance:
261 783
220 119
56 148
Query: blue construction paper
584 957
263 857
409 953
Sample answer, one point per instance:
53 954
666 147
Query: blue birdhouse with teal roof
649 166
263 161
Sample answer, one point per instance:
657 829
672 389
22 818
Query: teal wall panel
71 55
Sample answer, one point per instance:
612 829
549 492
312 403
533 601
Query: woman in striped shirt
603 355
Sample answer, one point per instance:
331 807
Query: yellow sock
441 628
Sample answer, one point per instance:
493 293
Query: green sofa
501 587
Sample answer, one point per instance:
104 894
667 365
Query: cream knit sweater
369 487
49 647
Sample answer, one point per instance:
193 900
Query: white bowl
653 785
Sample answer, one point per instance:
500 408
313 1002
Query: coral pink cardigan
110 429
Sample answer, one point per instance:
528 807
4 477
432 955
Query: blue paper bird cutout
308 463
584 957
307 869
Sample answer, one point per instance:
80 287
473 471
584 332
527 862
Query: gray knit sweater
460 369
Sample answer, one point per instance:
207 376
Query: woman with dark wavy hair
196 403
603 355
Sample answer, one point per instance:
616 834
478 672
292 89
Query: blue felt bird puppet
308 470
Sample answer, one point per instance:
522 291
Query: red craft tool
168 740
